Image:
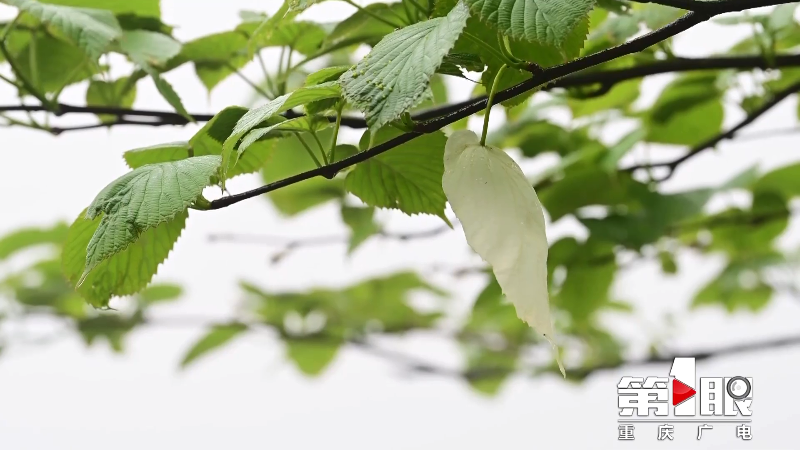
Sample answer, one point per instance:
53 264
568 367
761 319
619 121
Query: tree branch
729 134
607 79
540 78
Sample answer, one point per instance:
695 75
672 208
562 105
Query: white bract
503 221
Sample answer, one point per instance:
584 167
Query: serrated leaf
325 75
142 199
93 30
545 21
208 141
160 153
392 78
363 27
148 48
256 116
503 221
407 178
297 125
168 92
213 340
124 273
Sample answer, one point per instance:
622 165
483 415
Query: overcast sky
64 396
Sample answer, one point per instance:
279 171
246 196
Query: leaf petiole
497 54
490 102
335 137
308 149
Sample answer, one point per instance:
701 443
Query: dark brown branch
615 76
729 134
547 75
606 78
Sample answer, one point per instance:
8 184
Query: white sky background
65 396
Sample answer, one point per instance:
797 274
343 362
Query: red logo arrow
681 392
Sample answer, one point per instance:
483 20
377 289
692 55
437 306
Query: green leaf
352 309
547 55
748 232
158 293
29 237
617 151
325 75
362 27
586 288
144 8
535 137
544 21
208 141
161 153
361 224
124 273
213 340
688 111
93 30
112 328
690 127
141 199
290 158
392 78
304 37
740 285
487 369
621 96
659 213
256 116
311 356
298 6
408 178
305 124
148 48
585 186
214 56
120 93
169 94
57 64
784 181
782 16
268 26
668 264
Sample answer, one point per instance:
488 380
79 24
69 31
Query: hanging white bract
503 222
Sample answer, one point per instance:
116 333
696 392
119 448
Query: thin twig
729 134
603 78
